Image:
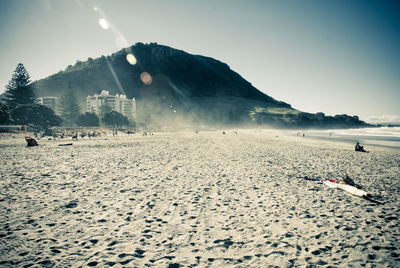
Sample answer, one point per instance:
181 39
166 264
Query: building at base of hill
50 102
119 103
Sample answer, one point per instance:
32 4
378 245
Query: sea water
381 136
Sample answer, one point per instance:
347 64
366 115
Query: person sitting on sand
31 142
359 148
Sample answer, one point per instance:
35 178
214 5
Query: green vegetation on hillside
290 118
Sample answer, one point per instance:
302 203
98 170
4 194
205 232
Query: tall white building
50 102
118 103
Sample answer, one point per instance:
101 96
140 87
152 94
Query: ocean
382 136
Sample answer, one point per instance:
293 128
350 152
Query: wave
381 131
381 136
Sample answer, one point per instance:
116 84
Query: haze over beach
213 133
337 57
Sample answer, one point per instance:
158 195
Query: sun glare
104 24
130 58
146 78
121 42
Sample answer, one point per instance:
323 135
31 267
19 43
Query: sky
335 57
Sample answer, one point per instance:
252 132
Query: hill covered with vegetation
172 86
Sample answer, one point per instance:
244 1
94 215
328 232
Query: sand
188 199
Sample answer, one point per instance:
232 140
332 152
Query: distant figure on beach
31 142
359 148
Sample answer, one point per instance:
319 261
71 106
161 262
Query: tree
115 119
19 90
133 124
4 114
88 120
104 109
36 116
69 108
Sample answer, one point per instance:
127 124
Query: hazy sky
325 56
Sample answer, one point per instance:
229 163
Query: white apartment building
50 102
118 103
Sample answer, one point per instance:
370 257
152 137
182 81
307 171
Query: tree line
22 108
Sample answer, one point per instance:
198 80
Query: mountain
172 86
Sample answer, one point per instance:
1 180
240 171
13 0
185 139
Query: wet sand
203 199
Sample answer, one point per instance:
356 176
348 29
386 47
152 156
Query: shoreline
353 141
381 137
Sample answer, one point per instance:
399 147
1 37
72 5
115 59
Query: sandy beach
186 199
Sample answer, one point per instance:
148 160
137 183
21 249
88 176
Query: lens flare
130 58
104 24
146 78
